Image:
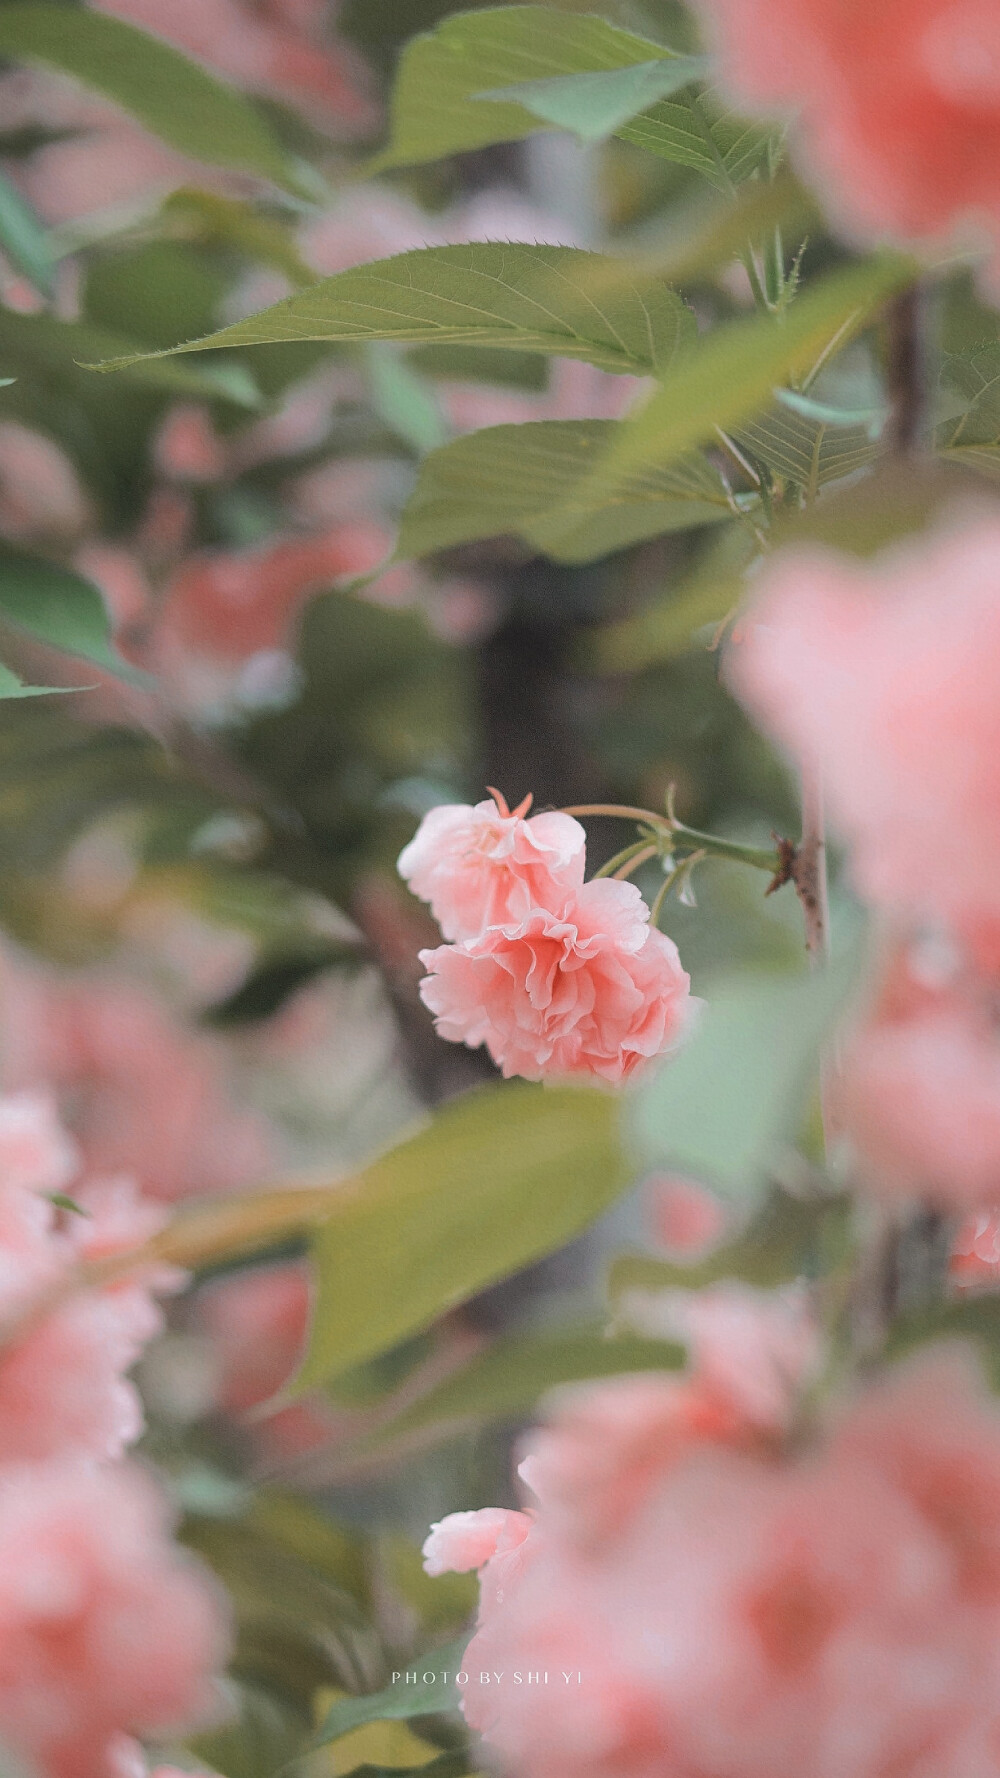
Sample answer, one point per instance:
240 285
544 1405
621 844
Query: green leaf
593 106
172 97
491 293
402 398
671 623
805 447
510 1377
787 1238
41 343
735 1096
13 687
24 238
507 479
400 1701
212 220
498 1179
973 439
438 107
58 606
734 370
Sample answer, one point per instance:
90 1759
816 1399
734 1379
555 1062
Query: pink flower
683 1217
898 105
590 992
919 1101
105 1629
834 1612
149 1097
480 867
884 674
465 1541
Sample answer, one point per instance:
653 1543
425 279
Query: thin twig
809 870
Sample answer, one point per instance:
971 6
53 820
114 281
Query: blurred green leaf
732 372
171 96
491 293
24 238
508 478
594 105
724 1108
442 1602
58 606
510 1377
786 1238
62 346
402 398
499 1178
401 1701
974 1317
438 108
669 625
13 687
973 439
212 220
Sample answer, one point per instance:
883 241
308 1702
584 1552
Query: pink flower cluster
700 1601
883 674
105 1631
557 977
899 103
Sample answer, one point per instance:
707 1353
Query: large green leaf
510 1377
401 1700
506 479
24 238
57 606
491 293
173 97
498 1179
736 1094
594 106
438 108
734 370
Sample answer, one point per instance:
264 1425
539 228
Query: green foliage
498 1179
58 606
786 1238
973 438
494 293
439 105
734 369
594 106
399 1702
171 96
24 239
41 345
508 479
727 1106
509 1377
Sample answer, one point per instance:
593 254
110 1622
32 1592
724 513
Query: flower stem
760 857
809 871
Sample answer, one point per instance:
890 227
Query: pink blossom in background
591 992
106 1629
144 1094
884 674
268 46
897 105
187 447
683 1218
833 1612
482 866
257 1321
919 1101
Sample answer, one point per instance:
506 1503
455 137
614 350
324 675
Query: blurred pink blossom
832 1611
883 673
898 105
144 1094
41 497
683 1218
106 1630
